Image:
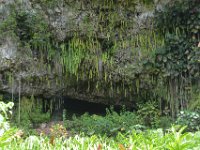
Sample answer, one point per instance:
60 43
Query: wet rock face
20 69
19 72
8 48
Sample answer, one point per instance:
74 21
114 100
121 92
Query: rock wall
110 71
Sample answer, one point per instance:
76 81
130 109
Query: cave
80 107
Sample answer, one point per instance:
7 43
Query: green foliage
8 25
149 114
110 124
179 140
182 15
164 122
180 25
6 132
5 111
30 25
153 139
64 117
58 130
31 113
177 57
189 119
177 60
194 103
49 3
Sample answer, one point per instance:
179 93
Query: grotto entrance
79 107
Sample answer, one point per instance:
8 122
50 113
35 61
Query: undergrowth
124 126
109 124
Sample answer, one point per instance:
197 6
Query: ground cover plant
133 139
153 139
109 124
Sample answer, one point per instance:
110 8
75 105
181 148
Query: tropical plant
7 134
177 60
110 124
151 140
5 111
149 113
190 119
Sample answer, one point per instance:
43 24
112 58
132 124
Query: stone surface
64 19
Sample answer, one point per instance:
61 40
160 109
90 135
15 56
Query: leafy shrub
6 133
4 113
149 114
58 130
194 103
189 119
164 122
110 124
177 60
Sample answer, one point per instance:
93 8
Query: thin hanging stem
19 108
12 89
